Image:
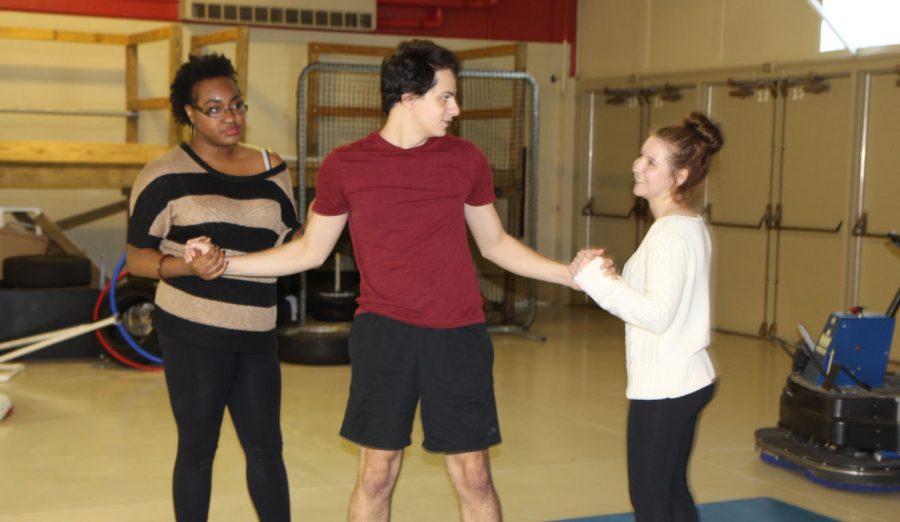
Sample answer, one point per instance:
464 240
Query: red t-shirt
408 227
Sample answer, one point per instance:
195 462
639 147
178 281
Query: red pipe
464 4
436 7
140 9
435 21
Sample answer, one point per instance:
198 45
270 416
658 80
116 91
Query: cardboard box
17 242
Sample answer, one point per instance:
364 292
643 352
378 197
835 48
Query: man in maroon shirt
409 191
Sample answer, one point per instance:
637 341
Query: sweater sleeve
290 224
149 220
653 305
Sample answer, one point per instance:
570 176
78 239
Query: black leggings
202 382
660 440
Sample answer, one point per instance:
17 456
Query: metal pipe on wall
590 165
861 188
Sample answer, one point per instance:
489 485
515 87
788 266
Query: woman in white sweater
663 297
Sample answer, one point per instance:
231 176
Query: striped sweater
178 197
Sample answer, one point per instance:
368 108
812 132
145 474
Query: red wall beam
166 10
552 21
515 20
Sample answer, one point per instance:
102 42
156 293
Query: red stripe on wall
140 9
552 21
519 20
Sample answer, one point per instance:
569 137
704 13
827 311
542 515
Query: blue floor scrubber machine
839 417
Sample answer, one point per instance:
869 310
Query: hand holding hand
196 247
609 268
205 260
584 257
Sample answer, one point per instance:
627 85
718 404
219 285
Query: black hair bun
709 132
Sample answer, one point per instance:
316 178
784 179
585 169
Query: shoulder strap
266 160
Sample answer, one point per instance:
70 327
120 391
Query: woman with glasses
217 334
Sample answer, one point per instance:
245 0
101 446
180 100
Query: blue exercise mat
744 510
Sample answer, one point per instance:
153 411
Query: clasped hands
205 259
209 261
585 256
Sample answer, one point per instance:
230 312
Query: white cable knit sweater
663 297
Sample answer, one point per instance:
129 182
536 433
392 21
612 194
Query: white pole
6 345
62 335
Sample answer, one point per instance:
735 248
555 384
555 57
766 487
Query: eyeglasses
217 111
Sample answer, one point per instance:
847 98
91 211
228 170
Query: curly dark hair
411 69
692 145
196 69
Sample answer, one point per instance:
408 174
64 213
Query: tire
315 343
50 271
30 311
329 305
134 299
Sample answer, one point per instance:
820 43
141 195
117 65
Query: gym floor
93 441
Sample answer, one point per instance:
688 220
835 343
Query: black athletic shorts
395 364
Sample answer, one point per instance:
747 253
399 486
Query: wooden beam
131 91
242 65
312 176
312 105
93 215
350 112
521 60
70 176
486 114
242 59
176 53
200 41
154 35
17 33
356 50
52 152
57 176
487 52
148 104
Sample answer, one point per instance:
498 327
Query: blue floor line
744 510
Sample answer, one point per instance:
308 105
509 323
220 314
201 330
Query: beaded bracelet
159 265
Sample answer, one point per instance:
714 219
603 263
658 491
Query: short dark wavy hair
196 69
411 69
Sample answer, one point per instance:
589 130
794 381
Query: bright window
863 23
